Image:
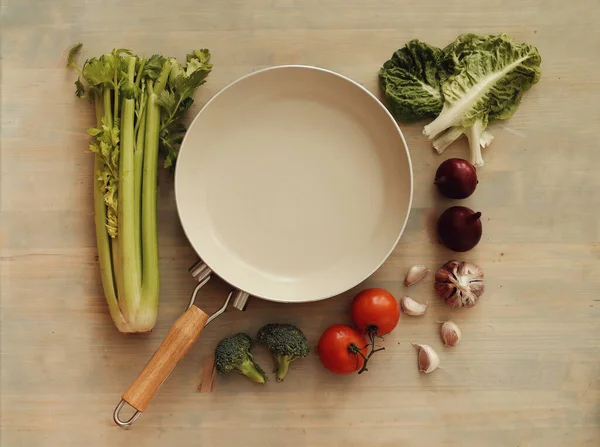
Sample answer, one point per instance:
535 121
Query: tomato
375 312
342 349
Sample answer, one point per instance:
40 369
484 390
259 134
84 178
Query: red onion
456 178
459 228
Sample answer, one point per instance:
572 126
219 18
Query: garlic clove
450 333
412 307
428 359
415 274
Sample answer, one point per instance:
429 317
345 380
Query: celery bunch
138 103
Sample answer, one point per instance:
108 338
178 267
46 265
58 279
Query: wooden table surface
527 372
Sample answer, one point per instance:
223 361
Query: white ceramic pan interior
293 184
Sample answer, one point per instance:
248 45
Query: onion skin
456 178
459 228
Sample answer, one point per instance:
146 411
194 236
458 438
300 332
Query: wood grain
527 371
208 375
179 340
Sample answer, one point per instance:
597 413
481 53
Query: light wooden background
527 372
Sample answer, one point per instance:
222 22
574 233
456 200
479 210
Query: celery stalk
114 249
140 72
116 101
131 298
116 262
150 267
140 135
104 255
137 170
139 105
107 107
103 240
161 82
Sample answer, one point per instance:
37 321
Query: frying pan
293 184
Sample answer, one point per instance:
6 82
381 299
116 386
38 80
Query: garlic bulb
415 274
450 333
460 284
412 307
427 358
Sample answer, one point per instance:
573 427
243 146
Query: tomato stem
372 333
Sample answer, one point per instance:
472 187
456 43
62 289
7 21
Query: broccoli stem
252 371
130 300
283 365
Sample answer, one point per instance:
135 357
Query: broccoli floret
233 354
286 342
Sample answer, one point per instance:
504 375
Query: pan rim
364 277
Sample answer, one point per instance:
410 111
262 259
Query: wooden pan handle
177 343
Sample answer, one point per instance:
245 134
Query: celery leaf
154 66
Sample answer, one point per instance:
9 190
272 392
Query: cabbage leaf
410 81
487 77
